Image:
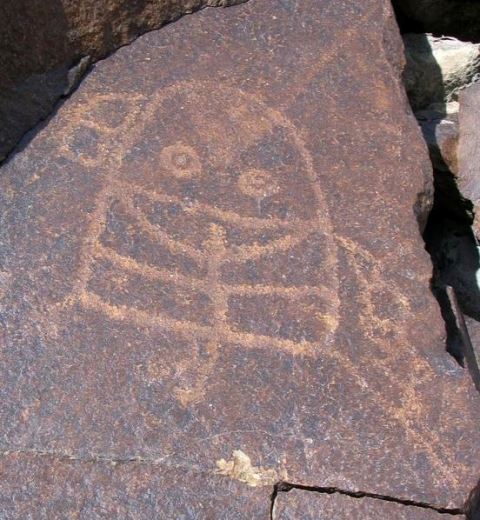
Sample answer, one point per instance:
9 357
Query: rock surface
438 68
44 487
42 42
468 177
72 29
310 505
453 245
440 129
211 273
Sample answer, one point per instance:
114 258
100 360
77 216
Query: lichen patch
240 468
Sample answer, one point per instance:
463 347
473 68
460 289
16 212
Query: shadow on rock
433 77
472 507
36 64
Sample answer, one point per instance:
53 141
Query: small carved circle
181 160
257 183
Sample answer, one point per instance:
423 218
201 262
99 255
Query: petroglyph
204 301
215 202
181 160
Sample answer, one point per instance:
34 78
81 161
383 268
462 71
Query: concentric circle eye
258 183
181 160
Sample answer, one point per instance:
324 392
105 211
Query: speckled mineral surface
213 279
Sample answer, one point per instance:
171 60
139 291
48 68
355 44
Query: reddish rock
78 28
43 41
210 257
310 505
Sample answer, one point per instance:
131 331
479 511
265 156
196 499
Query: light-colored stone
438 68
469 149
440 131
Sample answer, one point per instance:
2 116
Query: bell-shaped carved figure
211 226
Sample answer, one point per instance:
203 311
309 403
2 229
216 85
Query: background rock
454 247
468 178
438 68
440 77
459 18
439 125
43 41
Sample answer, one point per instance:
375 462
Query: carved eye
258 183
181 160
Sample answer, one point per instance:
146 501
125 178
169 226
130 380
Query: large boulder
213 280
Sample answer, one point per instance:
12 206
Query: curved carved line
221 214
150 272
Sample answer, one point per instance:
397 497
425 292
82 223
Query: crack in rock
285 487
93 457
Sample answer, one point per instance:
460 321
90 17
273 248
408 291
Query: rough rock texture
310 505
23 104
438 68
440 129
210 258
44 487
452 243
459 18
38 36
468 178
42 42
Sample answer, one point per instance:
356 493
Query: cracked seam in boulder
284 487
224 469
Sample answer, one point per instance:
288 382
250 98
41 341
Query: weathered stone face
211 262
45 486
39 36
